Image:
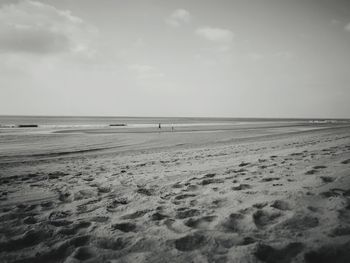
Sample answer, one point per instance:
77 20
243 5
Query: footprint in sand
269 179
60 222
175 225
318 167
263 218
241 171
234 222
57 175
238 187
47 205
327 179
299 222
346 161
88 207
103 189
218 203
260 205
157 216
74 228
340 231
334 192
84 253
187 212
84 194
177 185
113 205
28 239
190 242
145 191
242 164
61 250
30 220
88 179
225 242
211 181
209 175
330 253
111 243
286 254
201 222
246 241
125 227
136 214
315 169
65 196
184 196
59 214
280 205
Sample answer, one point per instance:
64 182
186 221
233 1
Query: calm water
65 122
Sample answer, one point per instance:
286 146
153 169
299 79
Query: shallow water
65 136
85 122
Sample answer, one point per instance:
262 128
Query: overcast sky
236 58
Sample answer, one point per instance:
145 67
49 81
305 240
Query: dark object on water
117 124
28 126
159 126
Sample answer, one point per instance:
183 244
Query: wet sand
270 194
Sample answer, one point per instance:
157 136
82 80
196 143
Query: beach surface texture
255 192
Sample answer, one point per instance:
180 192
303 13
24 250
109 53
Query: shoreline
223 198
140 140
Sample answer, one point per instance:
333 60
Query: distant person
159 126
172 127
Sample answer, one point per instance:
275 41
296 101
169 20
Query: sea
100 121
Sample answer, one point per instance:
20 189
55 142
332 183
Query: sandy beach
159 131
272 193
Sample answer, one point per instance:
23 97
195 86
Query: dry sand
282 197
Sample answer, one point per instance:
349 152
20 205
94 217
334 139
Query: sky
200 58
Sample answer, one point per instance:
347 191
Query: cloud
33 27
34 40
145 71
178 17
218 35
347 27
284 55
255 56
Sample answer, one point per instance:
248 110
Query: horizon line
173 117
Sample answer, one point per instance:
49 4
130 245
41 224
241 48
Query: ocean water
95 122
75 122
